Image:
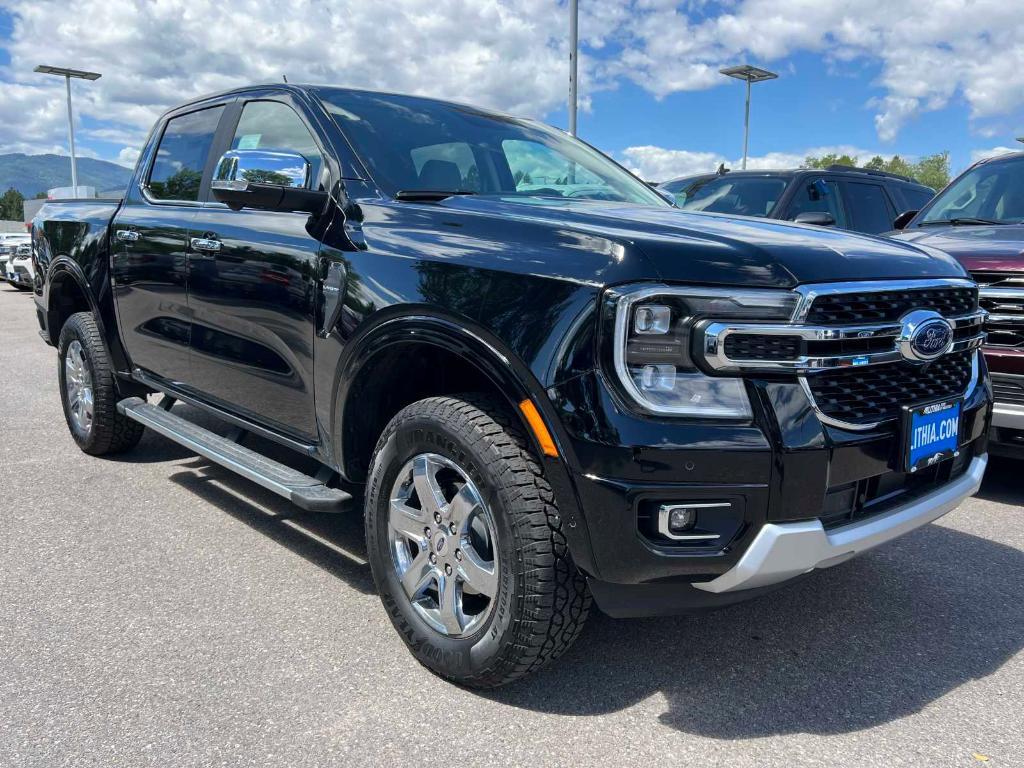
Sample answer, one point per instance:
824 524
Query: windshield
991 191
409 143
744 196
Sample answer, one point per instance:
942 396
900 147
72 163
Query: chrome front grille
849 347
877 393
1002 296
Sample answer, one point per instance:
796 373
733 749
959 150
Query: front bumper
786 476
783 551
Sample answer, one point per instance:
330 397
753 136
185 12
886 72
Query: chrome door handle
127 235
207 244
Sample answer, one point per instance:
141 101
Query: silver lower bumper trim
782 551
1008 415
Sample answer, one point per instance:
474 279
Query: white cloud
660 164
509 54
982 154
127 156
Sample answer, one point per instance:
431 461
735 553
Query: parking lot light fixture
67 74
749 74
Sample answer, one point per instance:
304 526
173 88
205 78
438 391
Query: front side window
273 126
869 207
739 195
410 144
177 170
819 196
991 191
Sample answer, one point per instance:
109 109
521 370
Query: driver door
252 280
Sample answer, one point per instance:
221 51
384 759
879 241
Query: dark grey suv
839 196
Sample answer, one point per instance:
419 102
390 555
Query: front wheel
89 390
465 544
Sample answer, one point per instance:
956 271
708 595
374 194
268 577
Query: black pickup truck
542 383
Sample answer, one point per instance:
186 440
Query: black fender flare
502 368
65 268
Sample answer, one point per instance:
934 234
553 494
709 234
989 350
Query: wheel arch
411 352
67 292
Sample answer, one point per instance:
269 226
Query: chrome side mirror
818 218
265 179
261 166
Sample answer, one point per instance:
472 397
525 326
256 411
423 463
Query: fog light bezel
665 513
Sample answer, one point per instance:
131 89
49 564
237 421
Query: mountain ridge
32 174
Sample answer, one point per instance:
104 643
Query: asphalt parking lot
156 610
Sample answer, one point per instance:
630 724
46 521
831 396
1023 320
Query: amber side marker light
540 430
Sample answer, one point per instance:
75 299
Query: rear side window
869 208
819 196
181 157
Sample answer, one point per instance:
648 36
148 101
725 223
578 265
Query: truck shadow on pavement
863 644
859 645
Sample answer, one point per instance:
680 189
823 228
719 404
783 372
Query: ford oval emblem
924 335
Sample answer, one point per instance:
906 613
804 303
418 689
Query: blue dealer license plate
932 434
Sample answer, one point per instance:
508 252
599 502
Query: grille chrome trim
824 418
808 293
712 336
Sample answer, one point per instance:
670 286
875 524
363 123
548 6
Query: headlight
653 354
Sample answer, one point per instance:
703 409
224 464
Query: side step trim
302 490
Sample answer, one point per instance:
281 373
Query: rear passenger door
148 241
252 281
869 207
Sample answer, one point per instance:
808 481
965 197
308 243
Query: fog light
678 521
681 519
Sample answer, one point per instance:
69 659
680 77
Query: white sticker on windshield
250 141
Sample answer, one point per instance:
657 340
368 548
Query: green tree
12 205
830 159
933 170
183 185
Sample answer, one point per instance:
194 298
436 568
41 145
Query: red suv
978 219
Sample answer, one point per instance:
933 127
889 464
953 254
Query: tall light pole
750 75
67 74
574 54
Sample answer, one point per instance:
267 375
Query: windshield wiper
429 195
964 221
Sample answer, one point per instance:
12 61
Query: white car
9 242
20 272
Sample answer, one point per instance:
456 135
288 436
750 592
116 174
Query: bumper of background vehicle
780 552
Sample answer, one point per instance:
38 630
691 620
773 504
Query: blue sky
893 78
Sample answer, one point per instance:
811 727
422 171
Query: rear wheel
465 543
89 390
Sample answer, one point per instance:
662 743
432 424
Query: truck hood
719 249
990 248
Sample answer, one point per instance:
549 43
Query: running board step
302 490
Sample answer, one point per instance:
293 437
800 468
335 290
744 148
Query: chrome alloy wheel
78 381
443 545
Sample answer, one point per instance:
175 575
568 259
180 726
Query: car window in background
819 196
409 143
181 157
869 208
750 196
916 198
989 191
681 189
272 125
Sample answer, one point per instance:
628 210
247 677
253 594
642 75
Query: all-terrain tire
542 599
109 432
